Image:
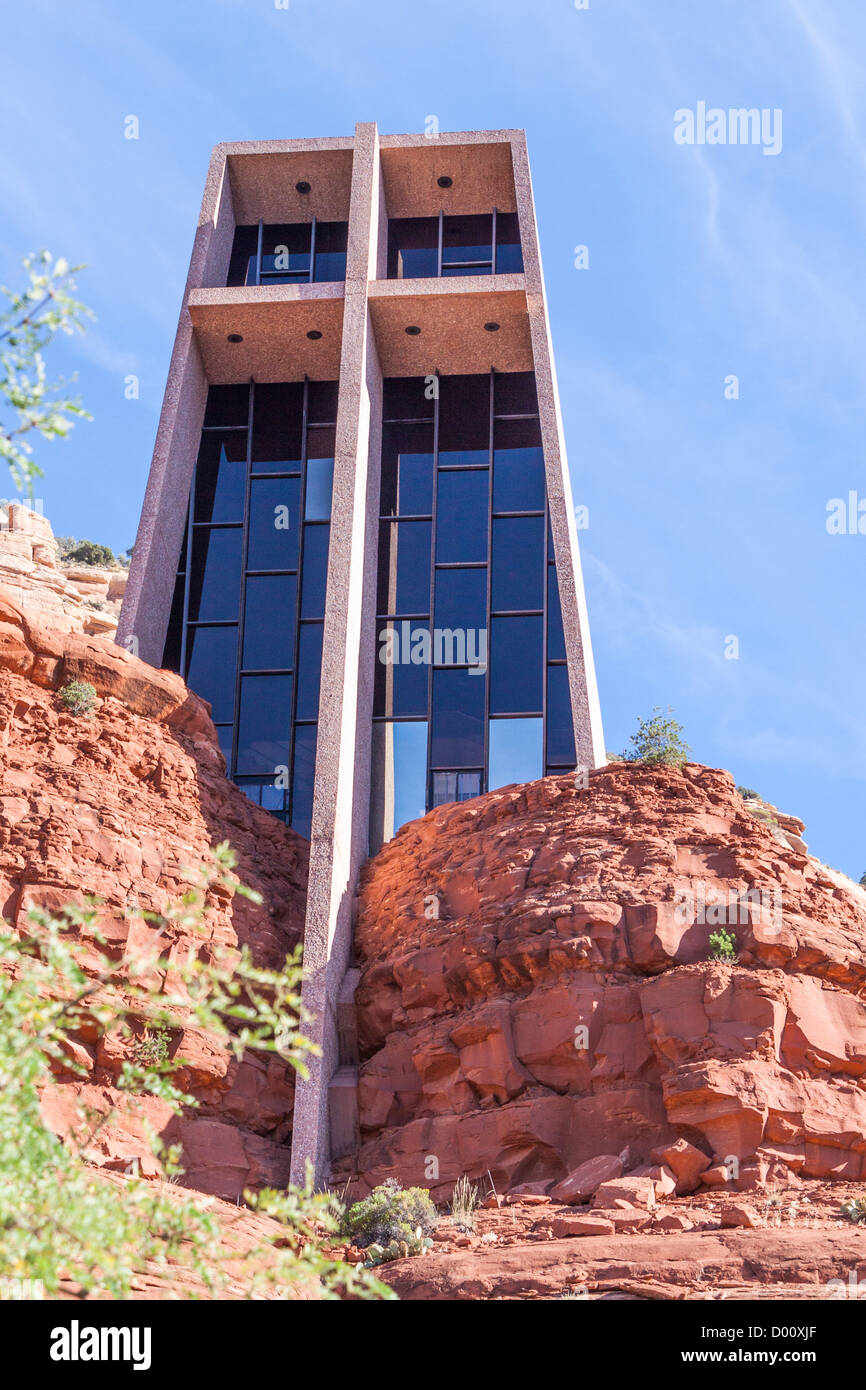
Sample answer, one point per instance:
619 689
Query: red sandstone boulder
563 1226
685 1162
637 1192
583 1182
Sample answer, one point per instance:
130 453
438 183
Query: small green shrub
863 880
151 1049
79 697
390 1214
86 553
855 1210
723 946
748 794
397 1249
464 1201
658 741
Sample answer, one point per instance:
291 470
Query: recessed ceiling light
413 330
302 186
491 327
444 180
234 337
314 334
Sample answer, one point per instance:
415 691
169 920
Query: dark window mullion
493 244
544 628
312 273
439 248
258 280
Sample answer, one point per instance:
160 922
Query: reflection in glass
461 599
515 752
518 480
455 786
404 567
518 563
303 778
320 483
560 727
220 476
458 719
399 778
263 724
315 571
210 668
401 671
274 522
309 671
214 591
516 669
461 519
555 634
269 622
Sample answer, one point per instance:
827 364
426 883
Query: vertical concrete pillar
586 710
147 601
338 841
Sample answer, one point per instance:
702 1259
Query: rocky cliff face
536 989
118 805
65 597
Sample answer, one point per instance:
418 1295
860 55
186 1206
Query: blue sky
707 515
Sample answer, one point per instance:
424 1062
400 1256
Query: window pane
263 725
243 251
407 470
303 775
221 476
227 405
210 668
461 520
458 719
277 415
320 483
555 635
560 729
407 398
515 752
214 591
412 247
509 257
309 671
274 523
518 480
514 393
286 248
224 738
518 563
464 413
399 778
516 665
322 403
269 623
172 649
402 666
467 239
455 786
331 239
263 793
404 567
461 599
314 574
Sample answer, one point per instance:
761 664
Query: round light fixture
234 337
314 334
444 180
413 330
302 186
491 327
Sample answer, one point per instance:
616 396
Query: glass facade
430 247
249 602
471 687
292 253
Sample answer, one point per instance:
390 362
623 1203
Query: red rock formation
118 806
536 990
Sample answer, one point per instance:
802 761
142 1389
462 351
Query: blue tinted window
461 519
515 752
455 786
320 483
263 724
211 660
220 476
461 599
458 719
315 571
555 635
214 592
263 793
273 542
224 738
560 729
309 670
518 563
402 666
276 435
302 779
399 778
404 567
269 622
516 670
518 480
227 405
